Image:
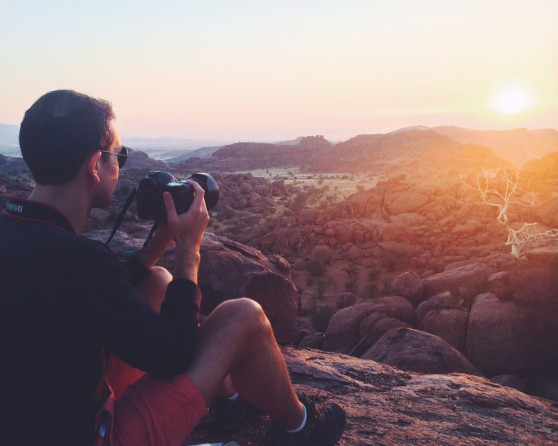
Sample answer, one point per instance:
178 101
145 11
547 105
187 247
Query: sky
275 70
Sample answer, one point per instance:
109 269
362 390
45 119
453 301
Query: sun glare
511 100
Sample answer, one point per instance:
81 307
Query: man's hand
187 231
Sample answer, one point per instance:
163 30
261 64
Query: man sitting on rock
69 309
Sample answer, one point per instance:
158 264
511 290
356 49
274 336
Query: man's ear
93 167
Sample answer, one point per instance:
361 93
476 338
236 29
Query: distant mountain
402 149
380 153
170 148
315 153
9 140
202 152
517 145
254 155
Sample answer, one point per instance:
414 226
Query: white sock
233 397
299 428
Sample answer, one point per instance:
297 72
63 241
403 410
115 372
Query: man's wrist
187 265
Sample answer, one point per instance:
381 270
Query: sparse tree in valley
502 189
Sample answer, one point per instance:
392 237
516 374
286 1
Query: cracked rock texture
387 406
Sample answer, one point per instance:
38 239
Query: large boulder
468 280
354 253
314 340
381 327
345 299
417 351
439 301
534 285
499 339
408 285
405 201
230 270
449 324
343 332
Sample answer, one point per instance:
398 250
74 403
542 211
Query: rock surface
388 407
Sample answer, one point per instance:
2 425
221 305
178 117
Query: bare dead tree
501 189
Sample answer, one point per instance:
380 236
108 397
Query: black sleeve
160 344
136 269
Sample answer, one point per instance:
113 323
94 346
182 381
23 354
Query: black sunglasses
122 155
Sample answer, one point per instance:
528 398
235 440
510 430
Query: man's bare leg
153 287
237 351
236 339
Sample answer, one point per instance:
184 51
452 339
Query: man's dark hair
60 130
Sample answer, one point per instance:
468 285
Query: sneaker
324 427
227 416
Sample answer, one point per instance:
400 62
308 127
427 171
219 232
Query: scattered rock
345 300
343 332
420 352
448 324
408 285
312 341
406 202
499 340
472 277
439 301
380 328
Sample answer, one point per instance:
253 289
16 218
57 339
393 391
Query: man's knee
247 312
160 275
153 287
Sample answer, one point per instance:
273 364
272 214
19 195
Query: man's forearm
187 265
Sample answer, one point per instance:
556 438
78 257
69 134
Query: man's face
108 172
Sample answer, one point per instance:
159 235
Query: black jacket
65 301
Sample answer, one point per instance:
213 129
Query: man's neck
68 199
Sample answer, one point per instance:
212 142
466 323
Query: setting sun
511 100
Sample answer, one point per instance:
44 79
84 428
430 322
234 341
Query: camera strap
121 215
22 209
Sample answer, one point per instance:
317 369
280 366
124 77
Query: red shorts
151 412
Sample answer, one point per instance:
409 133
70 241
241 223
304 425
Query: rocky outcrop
502 323
387 406
418 223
